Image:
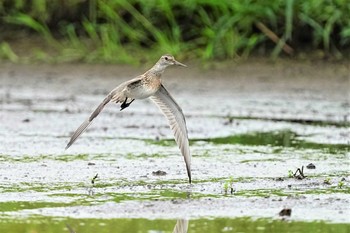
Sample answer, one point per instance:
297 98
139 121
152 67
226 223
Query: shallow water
250 127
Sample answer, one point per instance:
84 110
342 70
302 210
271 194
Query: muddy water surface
251 127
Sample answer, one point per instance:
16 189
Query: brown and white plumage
144 86
177 122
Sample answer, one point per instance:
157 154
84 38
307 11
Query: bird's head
169 60
164 62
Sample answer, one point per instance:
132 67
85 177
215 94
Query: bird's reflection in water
181 226
70 229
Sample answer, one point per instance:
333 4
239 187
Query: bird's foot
125 104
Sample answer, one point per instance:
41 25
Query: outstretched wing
115 95
88 121
177 122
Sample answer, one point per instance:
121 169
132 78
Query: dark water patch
203 225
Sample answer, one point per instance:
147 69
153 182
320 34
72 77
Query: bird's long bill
179 63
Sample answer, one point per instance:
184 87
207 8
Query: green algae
276 139
260 193
144 155
297 190
284 138
202 225
39 158
312 122
41 187
23 205
262 160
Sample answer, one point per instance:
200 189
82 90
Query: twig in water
70 229
94 178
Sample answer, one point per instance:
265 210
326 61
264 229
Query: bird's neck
158 69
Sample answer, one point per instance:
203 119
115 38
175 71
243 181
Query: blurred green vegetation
130 31
118 225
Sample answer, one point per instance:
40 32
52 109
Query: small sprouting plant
327 180
225 187
91 189
228 185
340 184
290 174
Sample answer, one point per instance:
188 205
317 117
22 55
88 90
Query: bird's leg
125 104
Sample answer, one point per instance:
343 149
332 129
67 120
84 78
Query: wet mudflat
251 127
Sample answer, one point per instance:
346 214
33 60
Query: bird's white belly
140 92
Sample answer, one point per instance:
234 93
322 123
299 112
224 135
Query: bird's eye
166 58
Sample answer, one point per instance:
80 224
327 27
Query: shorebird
148 85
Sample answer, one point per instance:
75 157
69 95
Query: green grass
121 31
